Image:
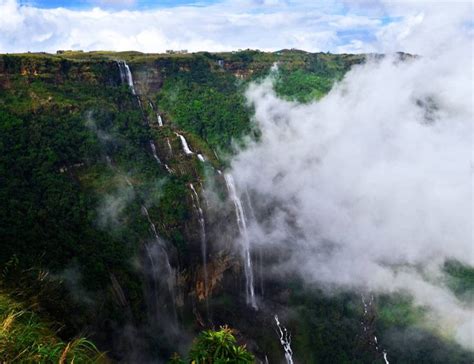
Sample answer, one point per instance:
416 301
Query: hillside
112 180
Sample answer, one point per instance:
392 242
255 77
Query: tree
217 347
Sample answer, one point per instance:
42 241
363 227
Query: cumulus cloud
370 188
222 26
115 2
425 24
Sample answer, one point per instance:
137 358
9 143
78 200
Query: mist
370 188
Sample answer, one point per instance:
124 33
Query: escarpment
120 217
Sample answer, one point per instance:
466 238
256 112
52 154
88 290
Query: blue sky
136 4
338 26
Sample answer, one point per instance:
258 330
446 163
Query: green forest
77 172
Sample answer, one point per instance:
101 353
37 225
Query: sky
220 25
113 4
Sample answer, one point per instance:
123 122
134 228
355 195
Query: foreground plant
24 338
216 347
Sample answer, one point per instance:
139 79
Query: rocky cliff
113 181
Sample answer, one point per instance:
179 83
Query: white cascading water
259 265
244 238
367 306
155 232
123 72
153 150
109 161
185 145
161 269
201 157
285 341
202 223
126 75
159 120
171 154
156 251
117 288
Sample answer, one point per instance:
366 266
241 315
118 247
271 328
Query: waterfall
285 340
118 291
260 253
201 158
160 268
244 238
109 161
153 150
202 223
160 277
126 75
367 306
184 143
123 72
152 225
158 117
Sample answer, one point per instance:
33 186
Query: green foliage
57 190
302 86
24 338
217 347
398 311
315 77
405 336
460 278
326 328
172 211
209 105
61 116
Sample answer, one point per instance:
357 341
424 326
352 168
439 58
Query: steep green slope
53 134
77 172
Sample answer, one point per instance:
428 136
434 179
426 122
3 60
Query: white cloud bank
228 25
372 187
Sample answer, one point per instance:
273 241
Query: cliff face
102 185
55 70
117 217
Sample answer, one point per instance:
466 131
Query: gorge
167 194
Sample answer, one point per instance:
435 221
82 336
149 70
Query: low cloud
370 188
112 207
